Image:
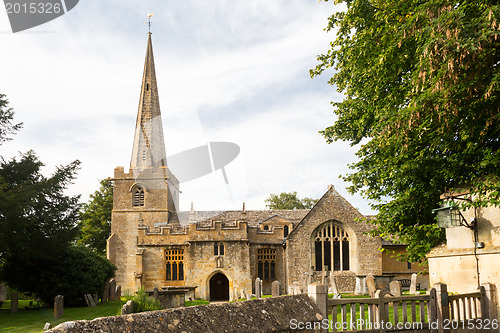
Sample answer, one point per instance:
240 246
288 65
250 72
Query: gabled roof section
149 145
337 208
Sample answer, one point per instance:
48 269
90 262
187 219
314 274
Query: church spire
149 145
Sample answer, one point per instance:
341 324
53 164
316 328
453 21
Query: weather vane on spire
149 22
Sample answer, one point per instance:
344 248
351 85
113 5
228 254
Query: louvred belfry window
331 248
138 197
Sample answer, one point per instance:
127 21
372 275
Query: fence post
318 293
443 307
488 301
432 309
383 315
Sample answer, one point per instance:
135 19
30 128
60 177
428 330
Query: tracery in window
266 264
174 264
331 248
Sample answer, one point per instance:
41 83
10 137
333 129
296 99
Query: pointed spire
149 145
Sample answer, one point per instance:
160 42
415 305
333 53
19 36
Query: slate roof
253 217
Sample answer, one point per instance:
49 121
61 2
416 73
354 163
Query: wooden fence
434 312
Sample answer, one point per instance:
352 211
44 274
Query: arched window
331 248
174 265
138 196
266 264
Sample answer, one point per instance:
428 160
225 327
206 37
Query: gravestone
47 327
58 306
275 288
96 299
112 290
14 302
87 299
105 293
118 292
252 296
243 294
258 288
3 293
370 284
90 300
413 285
128 307
360 288
333 285
395 287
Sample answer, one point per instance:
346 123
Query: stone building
222 253
471 254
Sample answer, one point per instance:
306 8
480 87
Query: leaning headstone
58 306
87 299
128 307
14 302
105 293
275 288
90 300
3 293
360 288
252 296
370 284
47 327
96 299
112 290
395 287
413 285
118 292
258 288
243 294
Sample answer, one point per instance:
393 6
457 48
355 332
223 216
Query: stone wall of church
365 256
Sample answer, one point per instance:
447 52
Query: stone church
218 255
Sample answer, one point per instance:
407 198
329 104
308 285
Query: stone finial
331 187
243 209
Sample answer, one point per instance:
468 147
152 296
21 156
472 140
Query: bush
143 302
76 272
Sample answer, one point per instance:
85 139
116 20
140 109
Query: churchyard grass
391 316
33 320
196 302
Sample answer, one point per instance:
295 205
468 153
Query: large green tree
421 84
289 200
38 223
95 224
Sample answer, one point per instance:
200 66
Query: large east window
266 264
331 248
174 264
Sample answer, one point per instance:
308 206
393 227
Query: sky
231 71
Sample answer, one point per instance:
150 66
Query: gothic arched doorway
219 288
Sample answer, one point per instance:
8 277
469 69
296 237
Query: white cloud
227 71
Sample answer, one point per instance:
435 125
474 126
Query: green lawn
28 321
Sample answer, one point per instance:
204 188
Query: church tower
149 193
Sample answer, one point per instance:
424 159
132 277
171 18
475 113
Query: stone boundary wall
262 315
